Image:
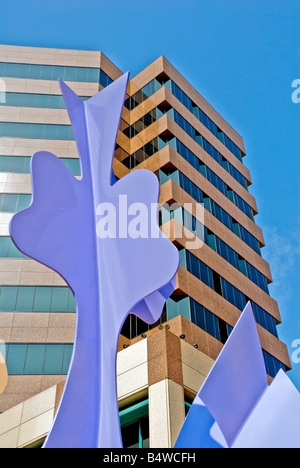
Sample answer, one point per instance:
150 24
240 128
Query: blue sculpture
100 236
69 228
235 407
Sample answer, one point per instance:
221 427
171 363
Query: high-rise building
170 129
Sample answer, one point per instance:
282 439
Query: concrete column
166 413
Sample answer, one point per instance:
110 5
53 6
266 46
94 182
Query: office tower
170 129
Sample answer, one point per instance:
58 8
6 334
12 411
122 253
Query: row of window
210 205
156 113
188 308
215 243
198 314
207 321
38 359
210 149
229 292
206 121
21 164
158 143
13 202
154 85
8 248
54 359
49 72
61 299
36 299
155 145
36 131
45 101
211 177
133 326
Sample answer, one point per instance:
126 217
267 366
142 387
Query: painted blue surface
110 276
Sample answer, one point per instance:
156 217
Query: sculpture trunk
110 275
96 396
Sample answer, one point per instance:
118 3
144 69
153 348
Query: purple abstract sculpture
110 272
235 407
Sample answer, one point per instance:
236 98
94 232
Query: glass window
14 252
4 162
182 257
184 308
49 72
60 298
206 275
68 349
23 201
130 435
194 264
25 299
172 309
53 359
35 357
72 302
9 202
50 132
134 422
198 316
15 358
42 299
38 359
4 245
212 324
73 165
273 365
8 298
17 164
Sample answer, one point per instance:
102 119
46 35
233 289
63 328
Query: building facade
170 129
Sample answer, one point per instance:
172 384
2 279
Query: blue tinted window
72 303
21 164
13 251
38 359
53 360
4 246
25 299
50 101
15 358
49 72
42 299
149 149
205 319
228 291
264 319
36 299
273 365
68 349
105 80
35 357
9 202
60 299
8 298
36 131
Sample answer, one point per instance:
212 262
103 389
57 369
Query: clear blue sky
241 55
